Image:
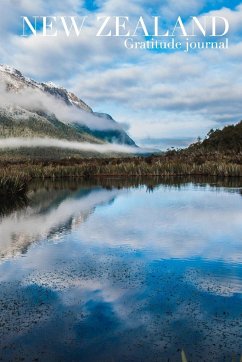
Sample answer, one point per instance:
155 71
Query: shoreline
16 176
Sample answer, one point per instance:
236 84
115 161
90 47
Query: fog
13 143
35 99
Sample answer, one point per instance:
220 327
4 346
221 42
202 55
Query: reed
13 185
184 358
174 163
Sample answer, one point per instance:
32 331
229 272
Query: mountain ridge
30 108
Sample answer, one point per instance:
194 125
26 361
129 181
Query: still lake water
122 273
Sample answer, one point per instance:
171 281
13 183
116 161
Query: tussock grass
15 175
13 185
155 166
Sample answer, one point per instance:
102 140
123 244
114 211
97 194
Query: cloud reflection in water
137 276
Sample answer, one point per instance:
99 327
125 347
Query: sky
167 98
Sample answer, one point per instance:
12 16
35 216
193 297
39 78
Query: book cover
120 180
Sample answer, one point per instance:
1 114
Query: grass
13 185
13 189
184 358
189 162
219 155
167 165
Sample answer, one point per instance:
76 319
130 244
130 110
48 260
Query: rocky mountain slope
32 109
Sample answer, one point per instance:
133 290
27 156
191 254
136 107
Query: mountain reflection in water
123 271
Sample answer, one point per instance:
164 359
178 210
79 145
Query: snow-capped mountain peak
10 70
47 99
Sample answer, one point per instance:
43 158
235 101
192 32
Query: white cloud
167 95
21 230
162 87
13 143
172 8
34 99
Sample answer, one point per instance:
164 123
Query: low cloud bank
34 99
14 143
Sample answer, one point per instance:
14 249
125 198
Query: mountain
225 141
32 109
18 122
115 135
228 139
219 154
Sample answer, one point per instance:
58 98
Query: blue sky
159 95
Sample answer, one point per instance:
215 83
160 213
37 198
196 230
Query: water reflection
118 273
50 213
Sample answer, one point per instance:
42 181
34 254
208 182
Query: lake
122 270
